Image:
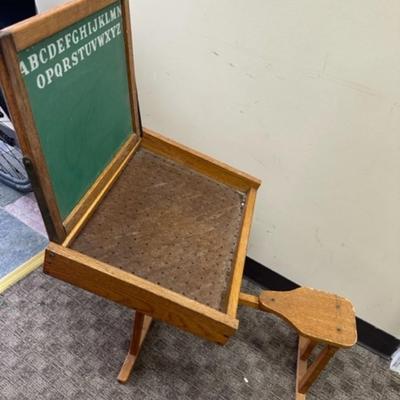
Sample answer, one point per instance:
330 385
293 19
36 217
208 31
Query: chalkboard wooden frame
22 118
21 36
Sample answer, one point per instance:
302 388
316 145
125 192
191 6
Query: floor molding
20 272
369 336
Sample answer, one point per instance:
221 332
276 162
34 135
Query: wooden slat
133 95
199 162
95 201
137 293
248 300
22 118
240 258
32 30
110 173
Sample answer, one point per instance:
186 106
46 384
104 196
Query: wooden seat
318 317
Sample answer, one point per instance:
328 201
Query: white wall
44 5
306 96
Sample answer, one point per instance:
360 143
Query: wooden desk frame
70 266
147 298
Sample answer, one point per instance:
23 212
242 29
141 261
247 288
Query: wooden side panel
33 30
233 299
92 205
197 161
22 118
136 121
139 294
103 183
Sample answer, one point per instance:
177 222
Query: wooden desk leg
306 376
306 347
301 365
141 326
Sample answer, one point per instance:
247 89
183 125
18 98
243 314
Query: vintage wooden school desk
132 215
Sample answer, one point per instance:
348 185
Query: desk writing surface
170 225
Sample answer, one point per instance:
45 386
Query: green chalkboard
77 85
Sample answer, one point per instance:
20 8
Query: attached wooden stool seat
318 317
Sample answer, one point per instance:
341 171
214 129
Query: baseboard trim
20 272
369 336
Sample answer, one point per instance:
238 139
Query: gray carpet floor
58 342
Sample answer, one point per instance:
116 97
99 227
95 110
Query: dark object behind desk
12 11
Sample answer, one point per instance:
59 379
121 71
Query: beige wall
306 96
